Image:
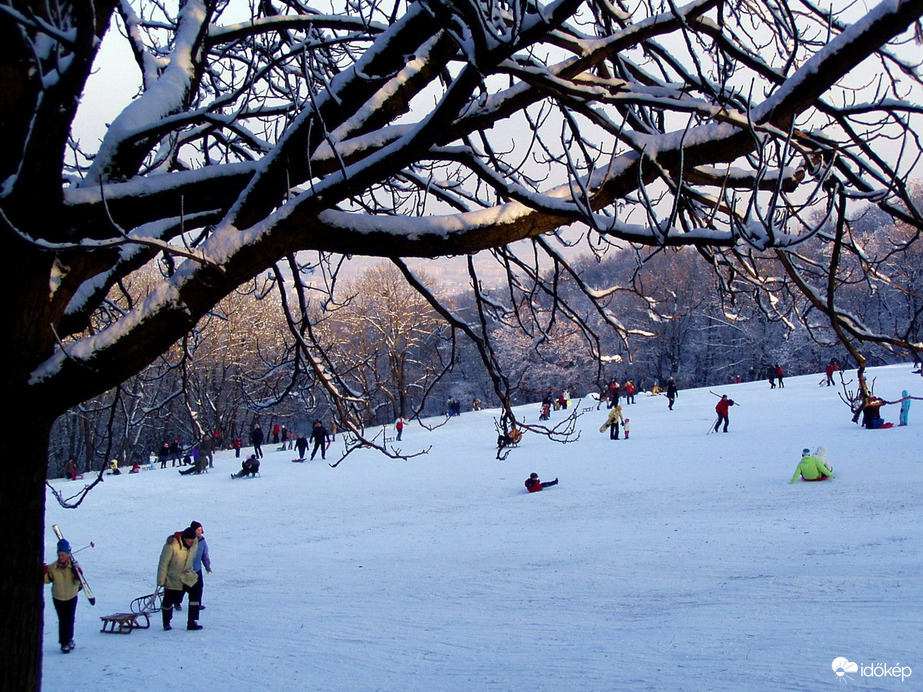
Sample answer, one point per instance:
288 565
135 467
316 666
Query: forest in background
240 367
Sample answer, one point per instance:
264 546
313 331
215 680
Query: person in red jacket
722 409
534 485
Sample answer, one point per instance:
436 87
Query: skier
810 468
534 485
176 575
62 575
201 559
320 438
722 409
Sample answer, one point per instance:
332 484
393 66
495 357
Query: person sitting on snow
249 467
810 468
534 485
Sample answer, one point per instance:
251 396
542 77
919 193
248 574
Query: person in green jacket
811 468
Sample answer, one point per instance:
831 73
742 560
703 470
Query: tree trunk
22 514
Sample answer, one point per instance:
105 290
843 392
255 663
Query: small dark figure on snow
672 392
301 444
534 485
256 439
320 437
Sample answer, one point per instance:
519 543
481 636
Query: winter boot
167 613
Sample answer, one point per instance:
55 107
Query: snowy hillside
673 560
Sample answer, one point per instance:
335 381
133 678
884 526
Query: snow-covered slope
673 560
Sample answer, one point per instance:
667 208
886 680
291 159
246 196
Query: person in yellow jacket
811 468
176 575
612 422
62 575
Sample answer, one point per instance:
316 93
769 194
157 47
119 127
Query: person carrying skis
320 438
810 468
65 584
722 408
175 574
534 485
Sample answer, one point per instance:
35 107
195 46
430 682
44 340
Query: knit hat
64 546
195 525
805 452
189 534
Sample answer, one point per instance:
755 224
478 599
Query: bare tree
416 130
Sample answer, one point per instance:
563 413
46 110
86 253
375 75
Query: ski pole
91 545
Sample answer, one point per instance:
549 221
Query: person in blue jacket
905 408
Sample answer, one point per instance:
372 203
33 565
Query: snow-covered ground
674 560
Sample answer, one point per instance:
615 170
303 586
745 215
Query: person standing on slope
672 393
201 559
320 437
176 575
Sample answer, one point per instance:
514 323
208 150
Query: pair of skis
79 572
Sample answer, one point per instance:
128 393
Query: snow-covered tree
413 129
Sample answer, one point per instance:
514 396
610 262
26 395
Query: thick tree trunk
24 450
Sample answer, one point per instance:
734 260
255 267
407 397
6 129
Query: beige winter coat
175 567
64 583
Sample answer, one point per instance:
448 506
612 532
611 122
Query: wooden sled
125 623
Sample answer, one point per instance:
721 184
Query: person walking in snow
320 437
672 393
399 426
612 422
772 376
534 484
779 376
905 408
810 468
722 408
65 584
175 574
